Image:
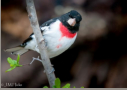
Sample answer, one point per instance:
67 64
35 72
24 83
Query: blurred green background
97 59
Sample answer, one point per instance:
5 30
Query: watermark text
11 84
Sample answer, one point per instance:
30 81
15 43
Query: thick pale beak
71 21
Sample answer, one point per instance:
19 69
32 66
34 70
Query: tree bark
40 42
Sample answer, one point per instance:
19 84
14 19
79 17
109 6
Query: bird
59 34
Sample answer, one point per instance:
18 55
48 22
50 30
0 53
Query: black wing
47 23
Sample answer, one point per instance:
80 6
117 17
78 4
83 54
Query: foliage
13 63
58 84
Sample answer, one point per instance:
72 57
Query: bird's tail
17 50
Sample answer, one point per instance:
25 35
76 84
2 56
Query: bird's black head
71 20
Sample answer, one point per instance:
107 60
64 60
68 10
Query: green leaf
82 87
10 69
45 87
13 63
18 59
66 86
74 87
57 83
9 60
54 86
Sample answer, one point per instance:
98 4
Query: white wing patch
44 28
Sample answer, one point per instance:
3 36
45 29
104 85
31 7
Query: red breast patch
65 32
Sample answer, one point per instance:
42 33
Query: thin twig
40 42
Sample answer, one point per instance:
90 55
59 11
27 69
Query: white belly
54 43
57 46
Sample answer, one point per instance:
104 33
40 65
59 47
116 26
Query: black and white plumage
59 34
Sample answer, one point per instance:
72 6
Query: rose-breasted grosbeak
59 34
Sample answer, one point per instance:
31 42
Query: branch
40 41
